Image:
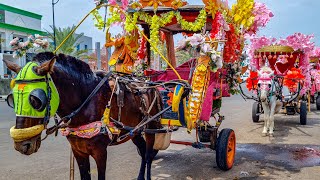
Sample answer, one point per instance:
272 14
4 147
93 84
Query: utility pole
98 55
54 24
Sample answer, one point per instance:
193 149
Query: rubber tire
255 117
318 102
303 113
222 148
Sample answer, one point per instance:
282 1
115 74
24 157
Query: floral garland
252 80
232 48
292 78
193 26
215 25
242 13
131 21
100 23
142 48
262 16
156 24
21 48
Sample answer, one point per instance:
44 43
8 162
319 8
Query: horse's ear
46 67
12 66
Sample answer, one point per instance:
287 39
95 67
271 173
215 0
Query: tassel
106 116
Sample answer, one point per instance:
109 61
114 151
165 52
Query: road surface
294 152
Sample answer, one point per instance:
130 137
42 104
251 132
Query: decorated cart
288 60
315 79
213 33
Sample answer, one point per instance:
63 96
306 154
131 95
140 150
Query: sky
290 16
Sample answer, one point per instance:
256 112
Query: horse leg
141 145
271 119
100 156
150 153
83 163
266 119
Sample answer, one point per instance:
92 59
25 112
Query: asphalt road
294 152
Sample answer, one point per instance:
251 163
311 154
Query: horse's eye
35 102
38 99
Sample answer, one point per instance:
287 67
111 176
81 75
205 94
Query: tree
70 46
183 56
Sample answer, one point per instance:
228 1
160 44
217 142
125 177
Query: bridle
267 84
46 98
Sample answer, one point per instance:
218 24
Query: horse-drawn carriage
148 108
315 81
277 67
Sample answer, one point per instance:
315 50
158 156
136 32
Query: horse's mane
65 62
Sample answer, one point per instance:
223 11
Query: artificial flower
196 40
262 16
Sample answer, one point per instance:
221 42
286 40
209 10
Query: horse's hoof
264 134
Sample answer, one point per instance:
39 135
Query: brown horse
74 82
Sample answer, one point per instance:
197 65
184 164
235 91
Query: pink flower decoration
262 16
14 41
196 40
206 48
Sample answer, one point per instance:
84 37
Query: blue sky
290 16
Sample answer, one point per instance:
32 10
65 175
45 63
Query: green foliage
70 46
182 56
216 103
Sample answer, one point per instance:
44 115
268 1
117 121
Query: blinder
10 100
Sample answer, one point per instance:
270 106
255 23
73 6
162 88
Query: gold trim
276 48
314 59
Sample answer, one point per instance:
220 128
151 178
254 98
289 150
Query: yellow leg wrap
19 135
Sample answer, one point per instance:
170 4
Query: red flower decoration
215 25
252 81
232 48
292 79
142 49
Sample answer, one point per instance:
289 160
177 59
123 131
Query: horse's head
265 76
35 99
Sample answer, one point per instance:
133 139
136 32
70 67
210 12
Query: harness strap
68 117
96 89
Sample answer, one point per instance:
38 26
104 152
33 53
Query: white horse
268 97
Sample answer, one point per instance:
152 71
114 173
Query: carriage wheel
303 113
312 99
255 111
318 102
226 149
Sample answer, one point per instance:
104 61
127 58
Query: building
19 23
85 43
14 23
